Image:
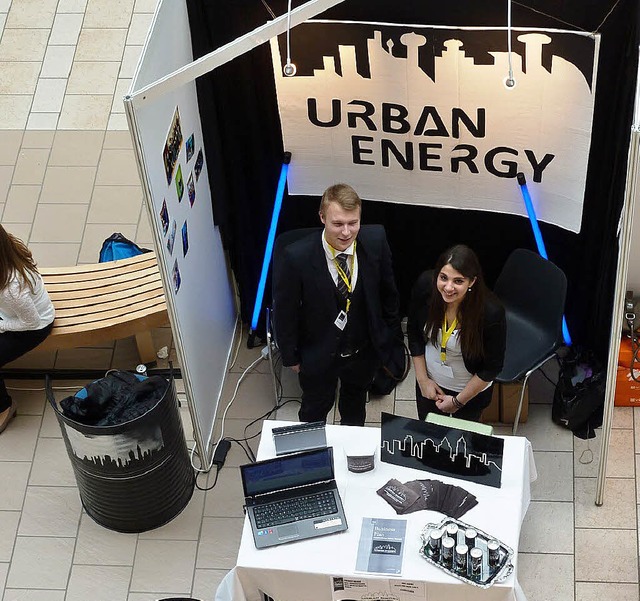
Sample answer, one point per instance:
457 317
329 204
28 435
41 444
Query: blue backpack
117 246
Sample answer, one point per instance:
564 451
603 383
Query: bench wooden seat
106 301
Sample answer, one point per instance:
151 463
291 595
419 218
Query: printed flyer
381 546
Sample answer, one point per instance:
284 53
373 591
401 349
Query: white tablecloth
302 571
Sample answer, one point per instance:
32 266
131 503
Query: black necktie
342 285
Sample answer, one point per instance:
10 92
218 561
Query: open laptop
293 497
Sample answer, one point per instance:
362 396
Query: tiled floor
67 181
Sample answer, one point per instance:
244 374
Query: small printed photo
172 146
172 238
164 217
199 163
176 277
179 183
185 239
191 189
190 147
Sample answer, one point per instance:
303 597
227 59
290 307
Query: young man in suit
336 308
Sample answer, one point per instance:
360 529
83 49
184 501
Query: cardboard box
625 354
491 415
627 389
509 398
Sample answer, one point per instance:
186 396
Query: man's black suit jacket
305 303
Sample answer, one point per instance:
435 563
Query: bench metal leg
146 349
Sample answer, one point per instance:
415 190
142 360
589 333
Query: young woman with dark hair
457 335
26 312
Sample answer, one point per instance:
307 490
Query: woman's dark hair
471 310
15 258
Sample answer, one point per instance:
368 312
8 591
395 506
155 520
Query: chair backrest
533 288
286 238
533 291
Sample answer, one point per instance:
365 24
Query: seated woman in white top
457 336
26 311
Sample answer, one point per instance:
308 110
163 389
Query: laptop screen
288 471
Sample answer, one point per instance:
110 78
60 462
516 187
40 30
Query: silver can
446 557
475 560
434 543
460 559
493 552
470 535
452 531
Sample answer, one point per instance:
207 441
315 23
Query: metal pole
624 241
229 51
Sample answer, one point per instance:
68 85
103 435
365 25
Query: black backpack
578 400
394 370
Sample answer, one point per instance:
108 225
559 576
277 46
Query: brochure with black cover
381 546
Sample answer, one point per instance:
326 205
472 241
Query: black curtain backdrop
244 148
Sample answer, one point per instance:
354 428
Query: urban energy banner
423 115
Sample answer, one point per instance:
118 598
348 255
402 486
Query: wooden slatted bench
106 301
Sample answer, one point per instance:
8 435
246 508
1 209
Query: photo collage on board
178 168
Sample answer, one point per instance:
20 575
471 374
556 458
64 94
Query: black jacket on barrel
494 329
306 305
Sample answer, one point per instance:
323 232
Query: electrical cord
243 443
224 416
237 351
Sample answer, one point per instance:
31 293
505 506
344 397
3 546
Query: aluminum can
475 559
493 551
470 535
434 543
452 531
447 552
460 559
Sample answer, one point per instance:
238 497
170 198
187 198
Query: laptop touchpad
288 531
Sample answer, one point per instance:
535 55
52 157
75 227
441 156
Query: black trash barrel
133 476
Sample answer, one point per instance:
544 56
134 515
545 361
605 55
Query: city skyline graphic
442 450
113 452
409 446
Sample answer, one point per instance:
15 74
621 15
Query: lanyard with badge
341 320
446 334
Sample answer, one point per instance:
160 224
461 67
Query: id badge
341 320
446 370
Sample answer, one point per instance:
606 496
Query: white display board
173 163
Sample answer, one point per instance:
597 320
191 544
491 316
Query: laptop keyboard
294 510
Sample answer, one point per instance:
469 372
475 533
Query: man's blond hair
344 195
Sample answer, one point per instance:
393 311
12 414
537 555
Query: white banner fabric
422 115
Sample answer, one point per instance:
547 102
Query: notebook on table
293 497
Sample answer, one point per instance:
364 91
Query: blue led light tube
277 205
537 234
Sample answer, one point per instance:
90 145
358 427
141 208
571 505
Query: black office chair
533 291
282 241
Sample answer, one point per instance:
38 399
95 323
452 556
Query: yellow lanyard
446 334
342 275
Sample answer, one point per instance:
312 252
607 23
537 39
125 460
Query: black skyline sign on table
441 450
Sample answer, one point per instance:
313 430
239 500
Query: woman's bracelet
456 402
